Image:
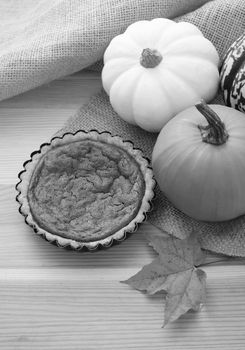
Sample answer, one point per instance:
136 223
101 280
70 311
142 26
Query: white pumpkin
157 68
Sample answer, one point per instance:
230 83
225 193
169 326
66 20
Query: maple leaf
175 272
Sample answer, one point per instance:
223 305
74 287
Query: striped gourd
232 75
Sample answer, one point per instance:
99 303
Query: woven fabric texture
43 40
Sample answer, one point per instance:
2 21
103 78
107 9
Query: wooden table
51 298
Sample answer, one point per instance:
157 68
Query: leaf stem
227 259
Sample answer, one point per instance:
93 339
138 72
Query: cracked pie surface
85 189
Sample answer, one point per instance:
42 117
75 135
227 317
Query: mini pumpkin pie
85 189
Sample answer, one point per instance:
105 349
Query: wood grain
55 299
57 308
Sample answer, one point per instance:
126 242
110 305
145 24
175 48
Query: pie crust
86 189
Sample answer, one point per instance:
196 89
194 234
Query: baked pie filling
85 190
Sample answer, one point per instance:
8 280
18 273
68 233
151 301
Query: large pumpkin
232 75
157 68
199 162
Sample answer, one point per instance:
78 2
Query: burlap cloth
44 40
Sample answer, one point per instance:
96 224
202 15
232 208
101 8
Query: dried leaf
174 272
152 277
183 252
185 291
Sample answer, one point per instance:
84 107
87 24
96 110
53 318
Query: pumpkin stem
150 58
215 132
